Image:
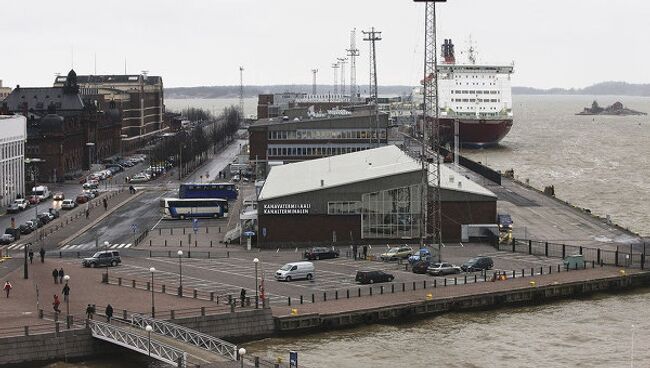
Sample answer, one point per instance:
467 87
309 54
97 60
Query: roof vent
460 184
322 183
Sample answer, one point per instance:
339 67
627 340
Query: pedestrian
61 274
87 209
365 252
42 254
89 312
7 288
65 292
354 251
31 256
242 296
105 204
109 313
56 304
55 274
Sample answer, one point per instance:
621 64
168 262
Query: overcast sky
557 43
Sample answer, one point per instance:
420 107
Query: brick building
66 131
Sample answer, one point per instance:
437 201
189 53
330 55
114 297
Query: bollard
359 290
195 244
455 280
289 301
149 242
219 228
202 311
347 293
300 299
206 230
210 243
550 269
532 271
424 284
336 295
229 299
165 242
541 270
324 296
313 298
194 294
392 288
381 289
57 327
546 249
159 231
445 281
119 281
558 268
435 283
370 290
523 274
413 285
212 297
465 279
148 285
403 287
26 330
133 283
163 288
514 274
172 314
593 265
171 231
256 361
183 231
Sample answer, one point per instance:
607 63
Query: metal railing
142 344
187 335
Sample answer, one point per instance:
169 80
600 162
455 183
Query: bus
178 208
210 190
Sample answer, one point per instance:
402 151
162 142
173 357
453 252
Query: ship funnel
448 52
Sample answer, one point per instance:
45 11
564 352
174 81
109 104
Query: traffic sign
195 225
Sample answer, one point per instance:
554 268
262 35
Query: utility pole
430 110
335 67
241 91
342 62
353 52
372 36
313 84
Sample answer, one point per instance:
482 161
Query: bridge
167 342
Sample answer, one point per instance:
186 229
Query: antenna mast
372 36
353 52
431 114
313 84
342 62
241 91
335 67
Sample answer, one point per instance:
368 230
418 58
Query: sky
556 43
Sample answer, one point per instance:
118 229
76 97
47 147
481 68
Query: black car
26 228
420 267
13 208
373 277
54 212
102 259
477 264
321 253
44 218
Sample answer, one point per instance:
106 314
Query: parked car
89 193
422 254
13 208
34 199
54 212
47 216
81 198
444 268
295 271
321 253
373 277
477 264
22 204
59 196
504 221
68 204
26 228
397 253
90 185
13 232
139 178
103 258
420 267
35 223
6 239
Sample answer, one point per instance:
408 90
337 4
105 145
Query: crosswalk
92 246
16 246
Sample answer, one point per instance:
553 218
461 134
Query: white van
296 270
41 192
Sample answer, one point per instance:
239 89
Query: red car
81 198
33 199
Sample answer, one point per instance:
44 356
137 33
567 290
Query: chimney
460 184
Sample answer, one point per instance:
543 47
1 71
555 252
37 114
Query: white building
13 134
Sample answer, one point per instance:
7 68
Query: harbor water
597 162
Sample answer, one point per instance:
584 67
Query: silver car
443 268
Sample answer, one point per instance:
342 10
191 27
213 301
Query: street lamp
180 272
242 352
67 300
106 245
148 328
90 146
257 304
122 136
153 309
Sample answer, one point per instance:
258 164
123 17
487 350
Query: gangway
187 336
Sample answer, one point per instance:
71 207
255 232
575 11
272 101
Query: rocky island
616 108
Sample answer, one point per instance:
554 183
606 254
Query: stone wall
236 326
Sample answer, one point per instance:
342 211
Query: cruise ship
476 97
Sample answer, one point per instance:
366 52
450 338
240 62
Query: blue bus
210 190
177 208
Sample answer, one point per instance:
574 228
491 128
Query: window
343 208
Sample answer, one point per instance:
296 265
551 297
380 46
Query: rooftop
356 167
318 118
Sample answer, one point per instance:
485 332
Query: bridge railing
139 343
187 335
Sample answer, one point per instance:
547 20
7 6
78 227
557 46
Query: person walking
61 274
109 313
89 312
87 209
365 252
55 274
105 202
242 296
65 292
354 251
7 288
42 254
31 256
56 304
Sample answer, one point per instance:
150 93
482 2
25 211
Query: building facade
306 137
368 197
139 98
66 131
13 133
4 91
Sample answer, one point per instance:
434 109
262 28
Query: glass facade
392 213
343 208
327 134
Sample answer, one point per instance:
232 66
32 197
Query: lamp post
242 352
106 245
257 304
148 328
90 146
153 308
180 272
122 136
67 300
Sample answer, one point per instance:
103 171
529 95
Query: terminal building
300 137
13 133
368 197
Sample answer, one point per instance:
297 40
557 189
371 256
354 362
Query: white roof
354 167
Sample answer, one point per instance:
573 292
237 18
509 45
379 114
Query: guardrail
187 335
139 343
141 253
